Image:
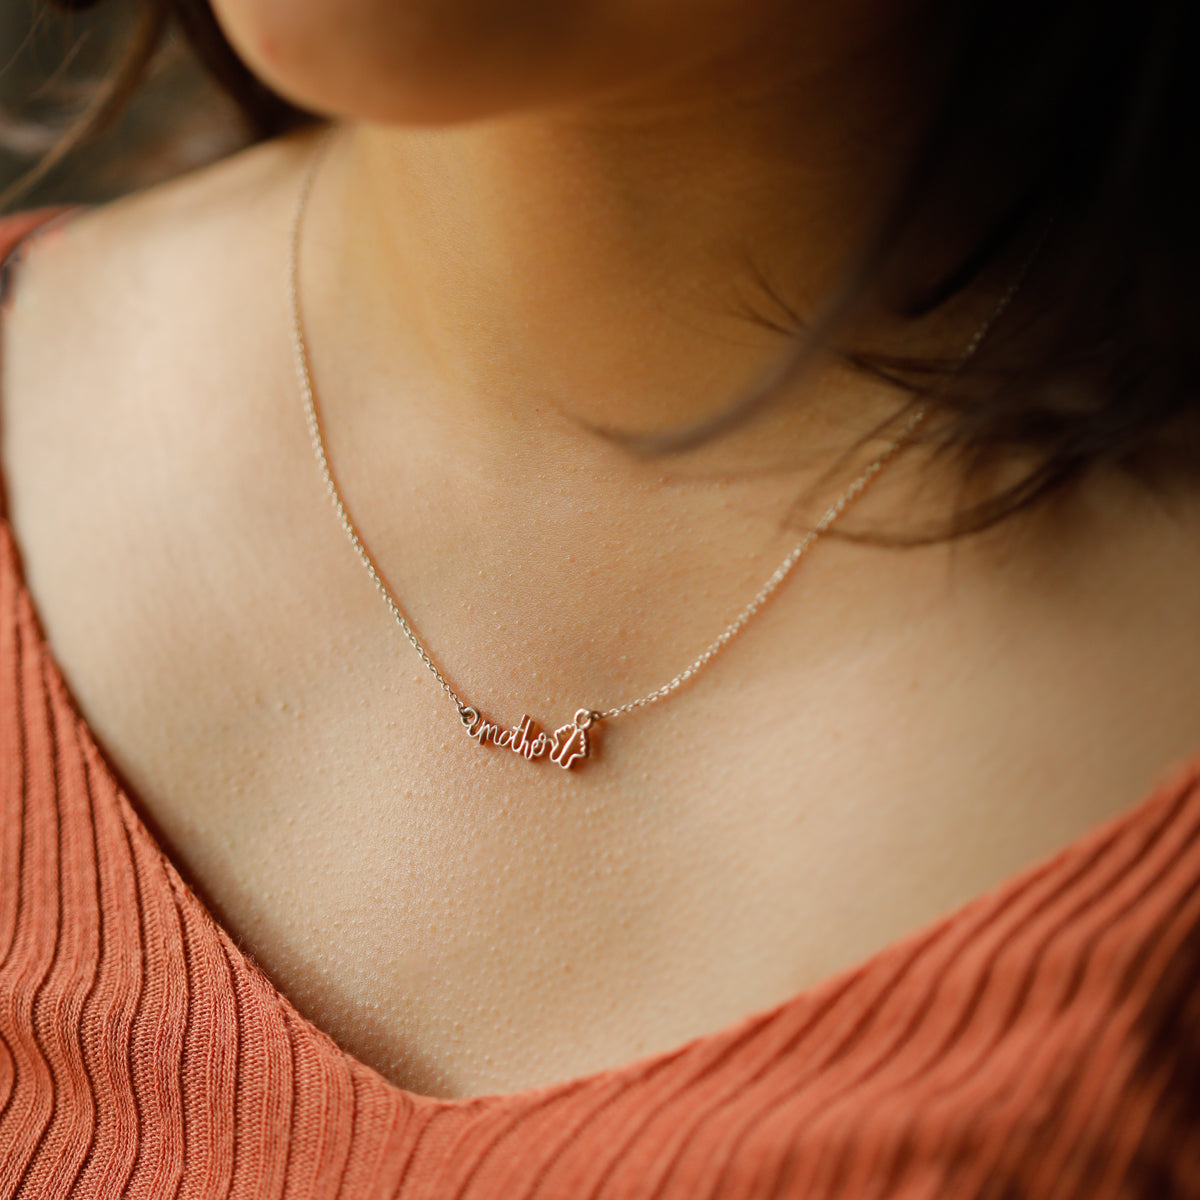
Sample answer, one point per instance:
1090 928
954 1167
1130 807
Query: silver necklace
570 743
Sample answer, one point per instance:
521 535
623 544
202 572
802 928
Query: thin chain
781 573
743 618
835 510
304 374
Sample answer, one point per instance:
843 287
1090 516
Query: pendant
565 746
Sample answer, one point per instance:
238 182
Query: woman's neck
599 263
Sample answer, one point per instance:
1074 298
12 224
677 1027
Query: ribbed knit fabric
1042 1043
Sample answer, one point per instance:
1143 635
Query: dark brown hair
1066 125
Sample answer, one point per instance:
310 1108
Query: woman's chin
429 63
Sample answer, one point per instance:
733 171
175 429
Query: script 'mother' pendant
566 746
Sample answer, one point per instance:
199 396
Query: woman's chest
468 921
1005 1048
864 758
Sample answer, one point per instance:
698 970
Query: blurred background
52 66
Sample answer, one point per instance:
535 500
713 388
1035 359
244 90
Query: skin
513 240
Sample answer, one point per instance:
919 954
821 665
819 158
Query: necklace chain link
570 743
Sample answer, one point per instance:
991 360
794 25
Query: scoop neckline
1173 780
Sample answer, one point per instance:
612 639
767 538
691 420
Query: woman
598 307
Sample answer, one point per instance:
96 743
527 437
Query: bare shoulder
117 318
145 362
126 327
152 262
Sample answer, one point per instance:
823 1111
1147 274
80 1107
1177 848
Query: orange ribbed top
1041 1043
